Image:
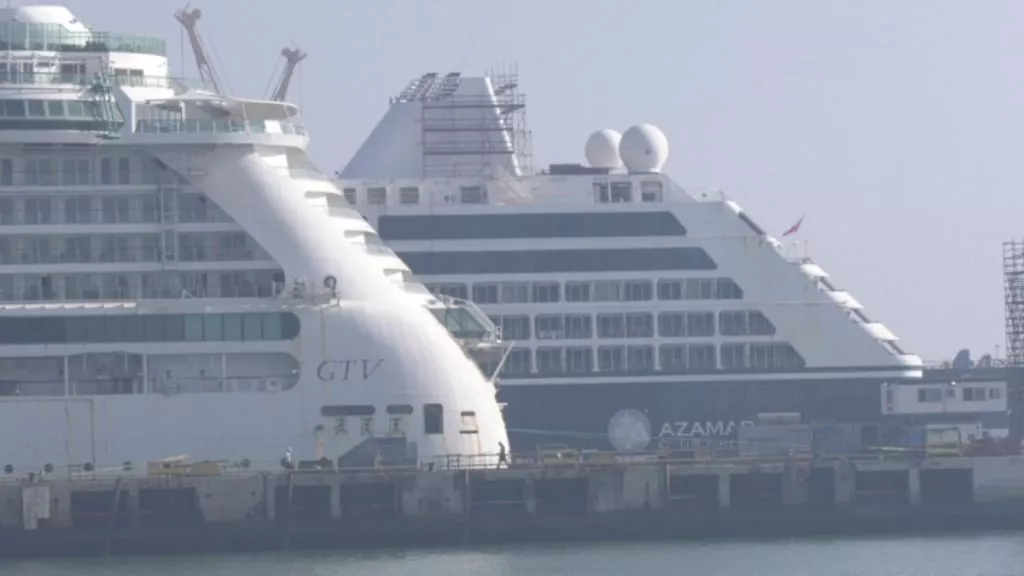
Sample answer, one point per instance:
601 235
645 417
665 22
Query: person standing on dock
502 456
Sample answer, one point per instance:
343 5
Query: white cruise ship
177 278
640 314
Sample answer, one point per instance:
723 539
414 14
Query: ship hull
679 416
343 381
626 416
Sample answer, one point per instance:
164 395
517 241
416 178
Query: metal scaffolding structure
472 135
1013 284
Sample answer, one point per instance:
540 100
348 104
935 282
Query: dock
252 510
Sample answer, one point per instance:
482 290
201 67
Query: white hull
260 425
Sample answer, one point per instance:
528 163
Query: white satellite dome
602 149
643 148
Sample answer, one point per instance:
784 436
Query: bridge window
433 419
149 328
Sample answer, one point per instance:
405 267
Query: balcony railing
203 126
30 36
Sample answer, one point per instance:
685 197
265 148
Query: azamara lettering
348 370
688 429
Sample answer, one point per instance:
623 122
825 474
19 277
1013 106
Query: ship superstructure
629 302
177 277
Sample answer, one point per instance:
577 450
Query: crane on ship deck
189 20
292 57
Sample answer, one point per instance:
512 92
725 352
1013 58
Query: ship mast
292 57
189 19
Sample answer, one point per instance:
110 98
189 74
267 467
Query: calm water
992 555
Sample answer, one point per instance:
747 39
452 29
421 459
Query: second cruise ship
638 315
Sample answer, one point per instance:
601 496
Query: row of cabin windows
183 247
398 415
77 171
604 193
49 109
140 285
615 192
255 326
378 195
970 393
673 358
510 262
99 209
592 291
634 325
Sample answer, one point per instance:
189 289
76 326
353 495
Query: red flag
794 228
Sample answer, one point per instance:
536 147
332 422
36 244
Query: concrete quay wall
139 514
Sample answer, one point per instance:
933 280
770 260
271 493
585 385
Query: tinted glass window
542 261
578 225
149 328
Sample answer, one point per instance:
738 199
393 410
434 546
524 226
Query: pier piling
363 508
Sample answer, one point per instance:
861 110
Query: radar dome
643 148
602 149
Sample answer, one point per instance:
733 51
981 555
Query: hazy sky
895 125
